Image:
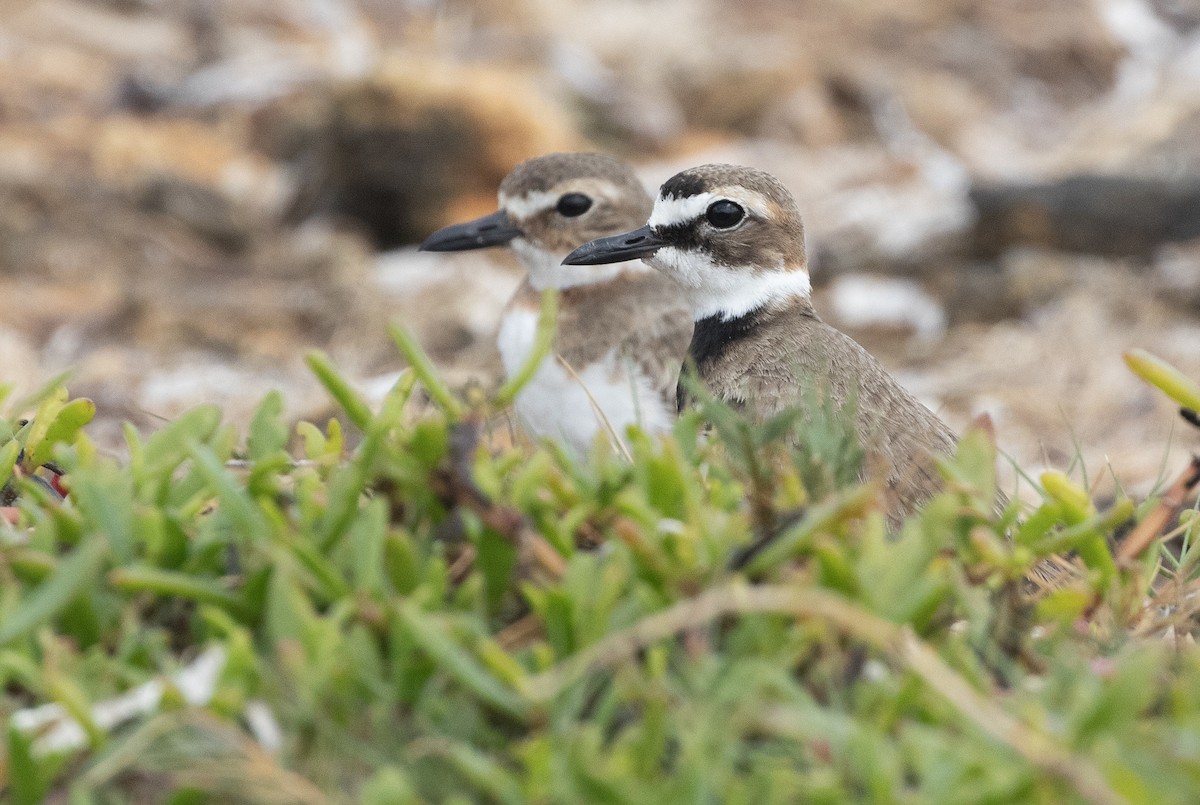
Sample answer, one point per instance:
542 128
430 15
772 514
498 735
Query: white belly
563 405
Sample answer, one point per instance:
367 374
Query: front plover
623 329
733 238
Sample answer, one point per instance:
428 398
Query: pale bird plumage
729 292
527 205
623 394
623 329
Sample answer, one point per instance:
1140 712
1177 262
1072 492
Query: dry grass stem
615 440
1169 505
899 642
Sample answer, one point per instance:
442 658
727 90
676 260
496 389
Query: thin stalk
897 641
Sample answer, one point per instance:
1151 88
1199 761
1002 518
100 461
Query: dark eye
574 204
724 214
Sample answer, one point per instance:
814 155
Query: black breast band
713 335
710 338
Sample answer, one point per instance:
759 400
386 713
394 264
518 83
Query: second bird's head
551 204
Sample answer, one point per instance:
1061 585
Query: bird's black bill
490 230
630 246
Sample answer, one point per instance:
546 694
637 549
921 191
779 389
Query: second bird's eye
724 213
574 204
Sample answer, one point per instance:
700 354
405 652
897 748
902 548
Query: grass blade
543 343
350 401
73 575
455 661
423 368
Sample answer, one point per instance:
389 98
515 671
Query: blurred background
1001 196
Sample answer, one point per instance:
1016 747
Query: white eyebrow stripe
527 206
674 211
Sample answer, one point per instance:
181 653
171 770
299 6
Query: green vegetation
426 618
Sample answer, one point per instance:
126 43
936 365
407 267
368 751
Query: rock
290 293
1094 214
1172 153
201 209
765 68
19 361
196 172
1035 277
1184 15
1020 283
392 151
888 305
453 304
1176 274
898 209
977 292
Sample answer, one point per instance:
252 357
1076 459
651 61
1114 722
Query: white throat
729 292
546 269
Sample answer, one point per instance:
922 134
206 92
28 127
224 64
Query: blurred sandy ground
1001 195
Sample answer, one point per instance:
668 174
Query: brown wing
795 350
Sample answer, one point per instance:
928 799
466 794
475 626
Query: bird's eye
572 205
724 213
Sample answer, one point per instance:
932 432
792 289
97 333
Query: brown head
551 204
731 236
561 201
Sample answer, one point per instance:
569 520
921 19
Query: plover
733 238
623 329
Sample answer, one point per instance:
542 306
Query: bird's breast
576 402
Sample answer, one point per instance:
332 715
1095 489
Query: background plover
623 329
